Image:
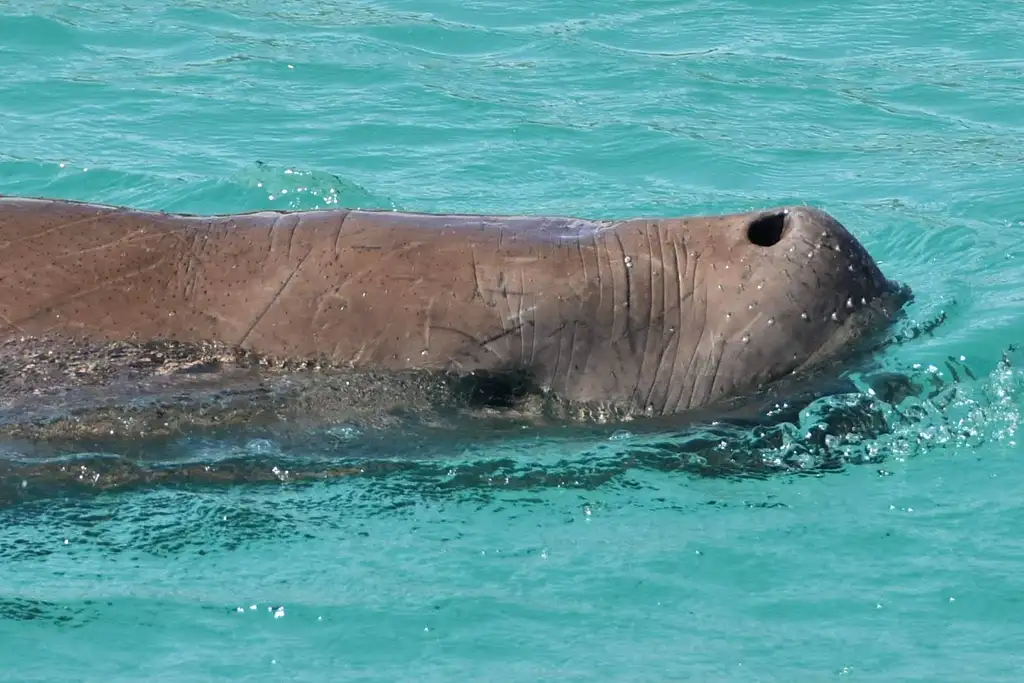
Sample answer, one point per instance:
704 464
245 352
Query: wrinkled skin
655 316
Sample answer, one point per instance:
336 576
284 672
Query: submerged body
654 316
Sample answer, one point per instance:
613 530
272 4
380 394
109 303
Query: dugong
643 316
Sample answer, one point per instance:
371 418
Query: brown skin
659 315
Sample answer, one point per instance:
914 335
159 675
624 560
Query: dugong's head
737 302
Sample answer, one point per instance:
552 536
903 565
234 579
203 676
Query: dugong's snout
825 244
835 292
787 289
831 244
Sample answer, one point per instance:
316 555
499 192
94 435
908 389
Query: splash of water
894 415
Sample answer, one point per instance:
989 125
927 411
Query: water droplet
771 321
750 307
863 301
721 288
850 267
849 303
835 316
761 286
746 338
805 316
728 315
628 261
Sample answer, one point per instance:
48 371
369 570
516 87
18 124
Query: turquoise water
883 549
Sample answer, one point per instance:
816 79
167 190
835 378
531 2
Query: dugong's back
70 268
376 289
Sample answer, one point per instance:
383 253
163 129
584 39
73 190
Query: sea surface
888 548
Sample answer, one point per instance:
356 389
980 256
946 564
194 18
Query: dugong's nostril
767 230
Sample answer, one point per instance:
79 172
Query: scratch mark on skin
478 290
274 299
598 279
291 236
664 303
504 316
720 348
666 336
273 229
672 304
10 323
677 306
650 316
427 322
629 293
341 229
107 245
484 344
751 324
533 329
54 263
558 354
551 375
191 271
572 353
696 346
56 228
703 332
614 298
520 313
583 261
86 292
583 309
